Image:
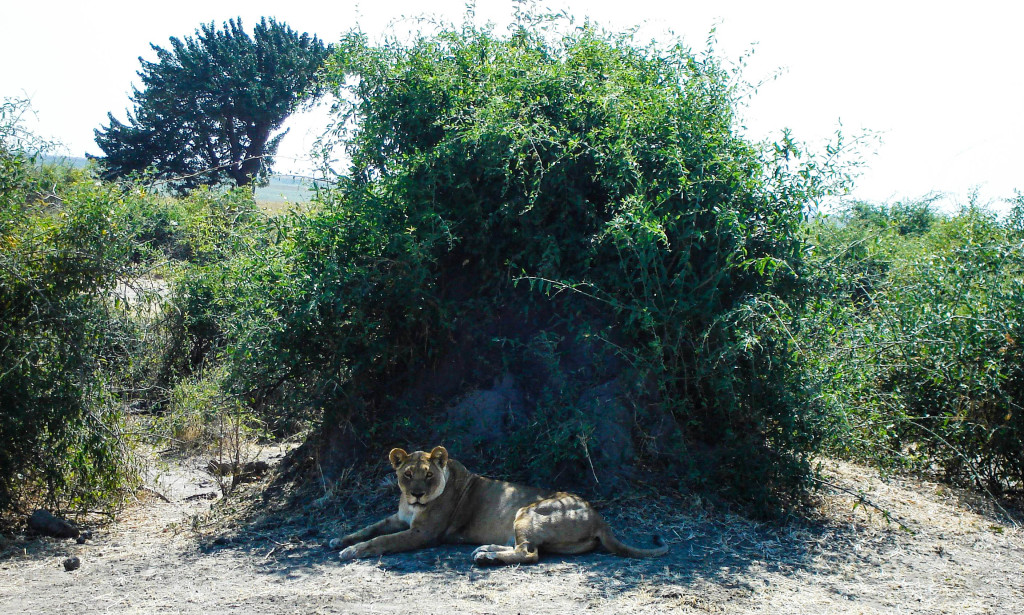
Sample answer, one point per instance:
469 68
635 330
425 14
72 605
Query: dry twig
862 499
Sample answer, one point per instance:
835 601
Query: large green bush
914 336
572 208
63 247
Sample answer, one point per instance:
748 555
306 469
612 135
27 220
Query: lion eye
408 474
430 475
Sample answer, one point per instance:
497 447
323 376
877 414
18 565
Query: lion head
421 475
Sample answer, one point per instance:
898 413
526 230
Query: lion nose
417 494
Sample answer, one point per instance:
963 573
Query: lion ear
440 456
397 457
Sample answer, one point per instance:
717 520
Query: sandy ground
193 555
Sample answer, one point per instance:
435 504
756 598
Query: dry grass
253 551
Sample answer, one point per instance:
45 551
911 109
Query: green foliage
210 105
915 338
205 244
289 328
112 297
63 245
201 416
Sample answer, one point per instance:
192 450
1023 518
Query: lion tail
616 546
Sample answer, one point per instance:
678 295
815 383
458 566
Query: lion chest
407 514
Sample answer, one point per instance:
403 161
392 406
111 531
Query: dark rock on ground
206 495
251 468
44 522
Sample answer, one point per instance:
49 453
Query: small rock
81 539
72 563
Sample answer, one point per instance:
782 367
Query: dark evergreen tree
210 105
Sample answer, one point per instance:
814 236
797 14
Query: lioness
441 501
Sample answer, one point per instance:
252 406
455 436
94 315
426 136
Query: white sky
941 81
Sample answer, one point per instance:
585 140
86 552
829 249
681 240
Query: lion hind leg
571 548
560 524
563 523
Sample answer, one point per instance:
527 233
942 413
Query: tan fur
442 502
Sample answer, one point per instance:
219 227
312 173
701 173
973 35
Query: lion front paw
341 543
352 552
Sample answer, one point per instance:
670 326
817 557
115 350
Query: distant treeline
279 185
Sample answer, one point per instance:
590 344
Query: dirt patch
184 554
